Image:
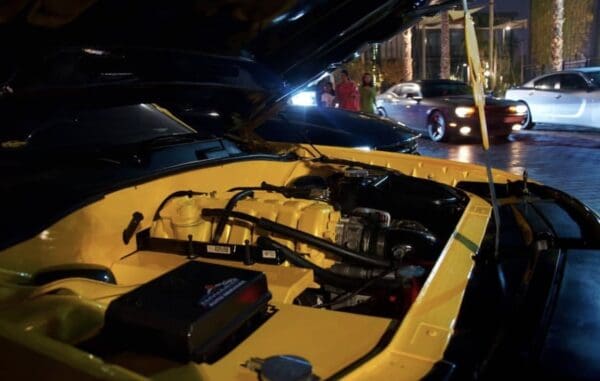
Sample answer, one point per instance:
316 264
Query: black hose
264 186
188 193
323 275
288 192
358 272
228 208
299 235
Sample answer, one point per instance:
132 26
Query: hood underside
296 39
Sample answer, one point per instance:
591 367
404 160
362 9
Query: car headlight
464 112
518 109
305 98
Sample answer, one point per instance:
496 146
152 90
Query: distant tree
445 45
392 71
356 68
556 44
407 61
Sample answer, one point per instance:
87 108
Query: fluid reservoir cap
286 368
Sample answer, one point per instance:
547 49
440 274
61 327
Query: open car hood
295 39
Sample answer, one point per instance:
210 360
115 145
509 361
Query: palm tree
556 44
445 44
407 61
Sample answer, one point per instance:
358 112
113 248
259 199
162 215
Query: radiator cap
282 368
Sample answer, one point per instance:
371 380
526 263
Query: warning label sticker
215 293
215 249
270 254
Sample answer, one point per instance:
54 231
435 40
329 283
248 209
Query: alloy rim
437 127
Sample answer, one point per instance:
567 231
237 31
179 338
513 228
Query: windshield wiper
167 140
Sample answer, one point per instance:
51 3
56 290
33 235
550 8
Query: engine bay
370 251
210 271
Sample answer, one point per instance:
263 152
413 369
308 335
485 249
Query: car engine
362 254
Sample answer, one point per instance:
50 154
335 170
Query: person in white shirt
328 95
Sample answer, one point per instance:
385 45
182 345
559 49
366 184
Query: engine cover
182 217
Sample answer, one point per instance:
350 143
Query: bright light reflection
297 16
305 98
95 52
465 130
280 18
521 109
465 154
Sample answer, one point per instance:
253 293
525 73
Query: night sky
520 6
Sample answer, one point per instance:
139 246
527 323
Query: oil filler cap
282 368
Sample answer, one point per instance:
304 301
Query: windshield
86 97
85 128
594 78
442 89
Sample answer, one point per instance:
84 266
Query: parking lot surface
567 158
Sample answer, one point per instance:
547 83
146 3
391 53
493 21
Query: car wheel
528 124
381 111
436 127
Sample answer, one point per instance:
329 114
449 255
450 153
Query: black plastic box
189 312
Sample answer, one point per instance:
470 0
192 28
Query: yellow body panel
330 340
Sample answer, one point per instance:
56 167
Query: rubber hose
323 275
320 243
228 209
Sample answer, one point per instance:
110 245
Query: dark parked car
334 127
323 126
445 108
294 124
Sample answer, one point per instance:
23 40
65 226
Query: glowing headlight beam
518 109
464 112
304 98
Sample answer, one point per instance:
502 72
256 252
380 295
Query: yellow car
133 247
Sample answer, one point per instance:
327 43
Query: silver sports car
569 97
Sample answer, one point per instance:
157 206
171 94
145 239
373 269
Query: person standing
347 93
328 95
367 94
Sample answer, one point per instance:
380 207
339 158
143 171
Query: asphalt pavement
564 157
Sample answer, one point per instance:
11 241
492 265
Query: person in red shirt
347 94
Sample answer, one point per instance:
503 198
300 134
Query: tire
437 127
381 112
528 124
